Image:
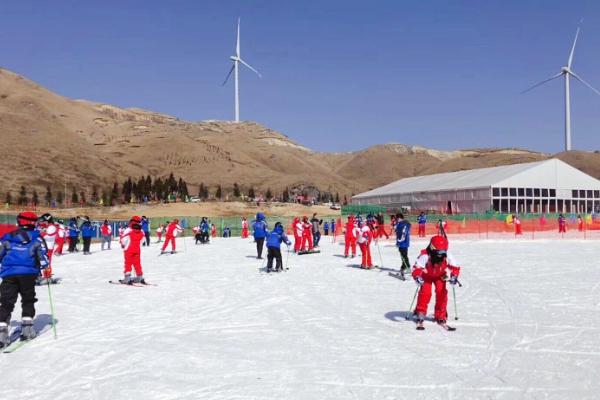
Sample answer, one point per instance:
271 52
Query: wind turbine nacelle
565 70
234 58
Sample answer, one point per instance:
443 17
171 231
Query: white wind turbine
567 73
235 68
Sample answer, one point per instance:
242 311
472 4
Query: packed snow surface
218 327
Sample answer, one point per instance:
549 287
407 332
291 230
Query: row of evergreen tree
147 189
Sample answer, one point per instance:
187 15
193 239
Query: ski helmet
27 218
438 248
47 217
135 219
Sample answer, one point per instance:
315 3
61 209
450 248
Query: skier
316 233
326 228
579 223
517 223
381 226
403 241
106 232
159 232
172 230
204 228
213 230
121 228
333 224
422 221
431 269
364 242
259 228
146 230
244 228
197 235
49 232
298 229
60 237
350 237
307 237
226 232
23 253
442 227
562 224
130 243
274 239
87 231
73 235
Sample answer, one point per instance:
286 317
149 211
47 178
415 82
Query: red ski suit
50 234
60 239
434 275
130 243
172 229
244 229
298 229
349 238
307 237
364 242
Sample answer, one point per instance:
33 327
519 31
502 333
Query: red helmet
27 218
438 243
135 219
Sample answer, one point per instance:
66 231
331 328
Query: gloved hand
419 280
453 280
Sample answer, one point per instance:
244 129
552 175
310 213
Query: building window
544 192
589 194
536 192
496 192
574 194
582 194
513 192
529 192
504 192
496 204
596 194
552 192
521 192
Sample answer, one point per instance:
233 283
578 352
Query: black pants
13 286
204 238
316 238
86 244
274 253
73 244
147 234
404 257
198 237
260 242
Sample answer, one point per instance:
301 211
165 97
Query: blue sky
337 75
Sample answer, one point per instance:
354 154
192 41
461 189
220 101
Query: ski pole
379 251
454 297
412 302
51 308
287 257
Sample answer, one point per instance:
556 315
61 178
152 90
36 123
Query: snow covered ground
215 327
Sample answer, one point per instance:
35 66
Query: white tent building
540 187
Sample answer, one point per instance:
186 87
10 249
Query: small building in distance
549 186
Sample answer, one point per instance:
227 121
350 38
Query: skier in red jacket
349 237
130 243
172 230
434 267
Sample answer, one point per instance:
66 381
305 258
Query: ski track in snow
218 327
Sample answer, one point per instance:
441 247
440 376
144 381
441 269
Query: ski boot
4 336
139 279
126 280
420 318
27 330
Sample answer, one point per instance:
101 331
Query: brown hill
81 143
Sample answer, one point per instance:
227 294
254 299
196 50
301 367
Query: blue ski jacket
403 234
87 230
275 237
22 252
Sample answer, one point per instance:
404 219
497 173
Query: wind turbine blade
228 75
237 43
248 65
584 82
542 82
573 49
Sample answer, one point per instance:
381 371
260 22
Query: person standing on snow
517 223
364 239
307 237
130 243
244 228
204 228
87 231
106 232
73 235
259 228
403 241
23 253
381 226
213 230
298 230
562 224
326 228
350 238
316 232
146 231
579 223
159 232
422 221
61 235
172 230
49 232
434 267
274 239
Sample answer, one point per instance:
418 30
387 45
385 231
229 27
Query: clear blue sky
337 75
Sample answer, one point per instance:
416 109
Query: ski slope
216 327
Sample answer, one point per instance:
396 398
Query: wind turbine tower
235 69
567 72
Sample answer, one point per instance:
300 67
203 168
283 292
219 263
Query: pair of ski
303 252
136 284
445 326
16 342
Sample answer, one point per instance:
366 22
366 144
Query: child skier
23 253
49 232
259 229
422 221
130 243
403 241
350 237
87 231
298 228
172 230
364 242
159 232
106 232
244 228
274 239
431 269
60 237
